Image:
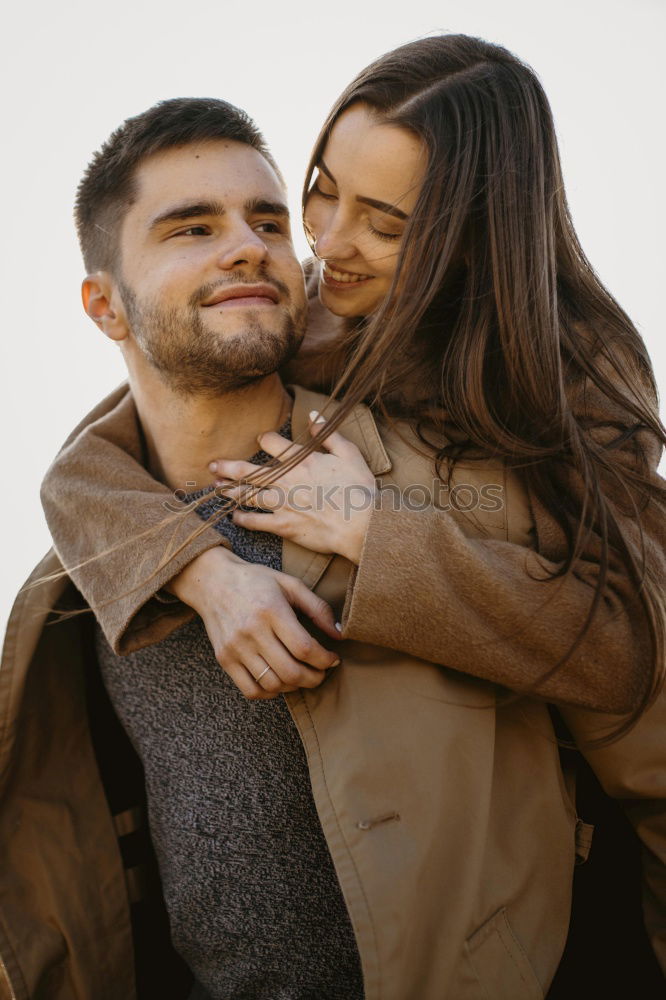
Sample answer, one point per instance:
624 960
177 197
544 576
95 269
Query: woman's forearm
482 607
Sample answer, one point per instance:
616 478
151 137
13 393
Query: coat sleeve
119 533
482 606
633 770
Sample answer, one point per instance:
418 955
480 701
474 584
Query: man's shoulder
120 395
113 420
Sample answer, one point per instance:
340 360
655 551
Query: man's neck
184 434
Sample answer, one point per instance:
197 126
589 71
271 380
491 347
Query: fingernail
213 466
337 663
338 626
316 417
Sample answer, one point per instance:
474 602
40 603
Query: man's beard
196 360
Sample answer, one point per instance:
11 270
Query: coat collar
360 428
119 412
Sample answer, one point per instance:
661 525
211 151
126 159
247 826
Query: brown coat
447 819
494 618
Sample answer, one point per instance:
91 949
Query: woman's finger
254 521
265 498
228 469
246 683
335 442
317 609
275 445
291 673
263 675
301 645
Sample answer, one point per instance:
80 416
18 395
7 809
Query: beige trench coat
447 817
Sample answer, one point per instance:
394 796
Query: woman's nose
333 237
332 245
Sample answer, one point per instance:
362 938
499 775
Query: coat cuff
143 617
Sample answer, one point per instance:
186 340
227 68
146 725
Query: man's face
212 291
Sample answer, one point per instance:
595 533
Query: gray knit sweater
252 895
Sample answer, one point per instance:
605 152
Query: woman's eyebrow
383 206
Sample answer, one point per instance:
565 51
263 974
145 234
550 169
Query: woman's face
365 187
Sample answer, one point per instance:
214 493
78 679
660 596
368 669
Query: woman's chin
345 304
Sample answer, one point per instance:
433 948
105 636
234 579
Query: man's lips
243 295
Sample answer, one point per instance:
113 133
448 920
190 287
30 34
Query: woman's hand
324 503
248 612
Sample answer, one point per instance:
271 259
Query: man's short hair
108 187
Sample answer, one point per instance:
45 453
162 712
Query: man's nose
244 246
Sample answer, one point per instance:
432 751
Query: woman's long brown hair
496 315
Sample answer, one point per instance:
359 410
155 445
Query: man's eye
269 227
194 231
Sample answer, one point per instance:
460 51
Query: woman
484 322
487 346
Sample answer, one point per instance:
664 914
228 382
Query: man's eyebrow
196 210
383 206
261 206
188 210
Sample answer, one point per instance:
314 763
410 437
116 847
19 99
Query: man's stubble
196 360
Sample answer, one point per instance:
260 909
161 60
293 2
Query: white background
72 71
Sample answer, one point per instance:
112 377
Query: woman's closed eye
382 235
316 189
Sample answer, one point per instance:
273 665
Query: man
267 860
206 300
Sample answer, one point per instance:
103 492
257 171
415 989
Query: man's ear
101 301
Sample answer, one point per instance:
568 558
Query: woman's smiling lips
243 295
339 279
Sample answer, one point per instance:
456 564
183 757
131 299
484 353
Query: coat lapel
360 428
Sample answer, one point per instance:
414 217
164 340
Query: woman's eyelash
317 190
383 236
389 237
